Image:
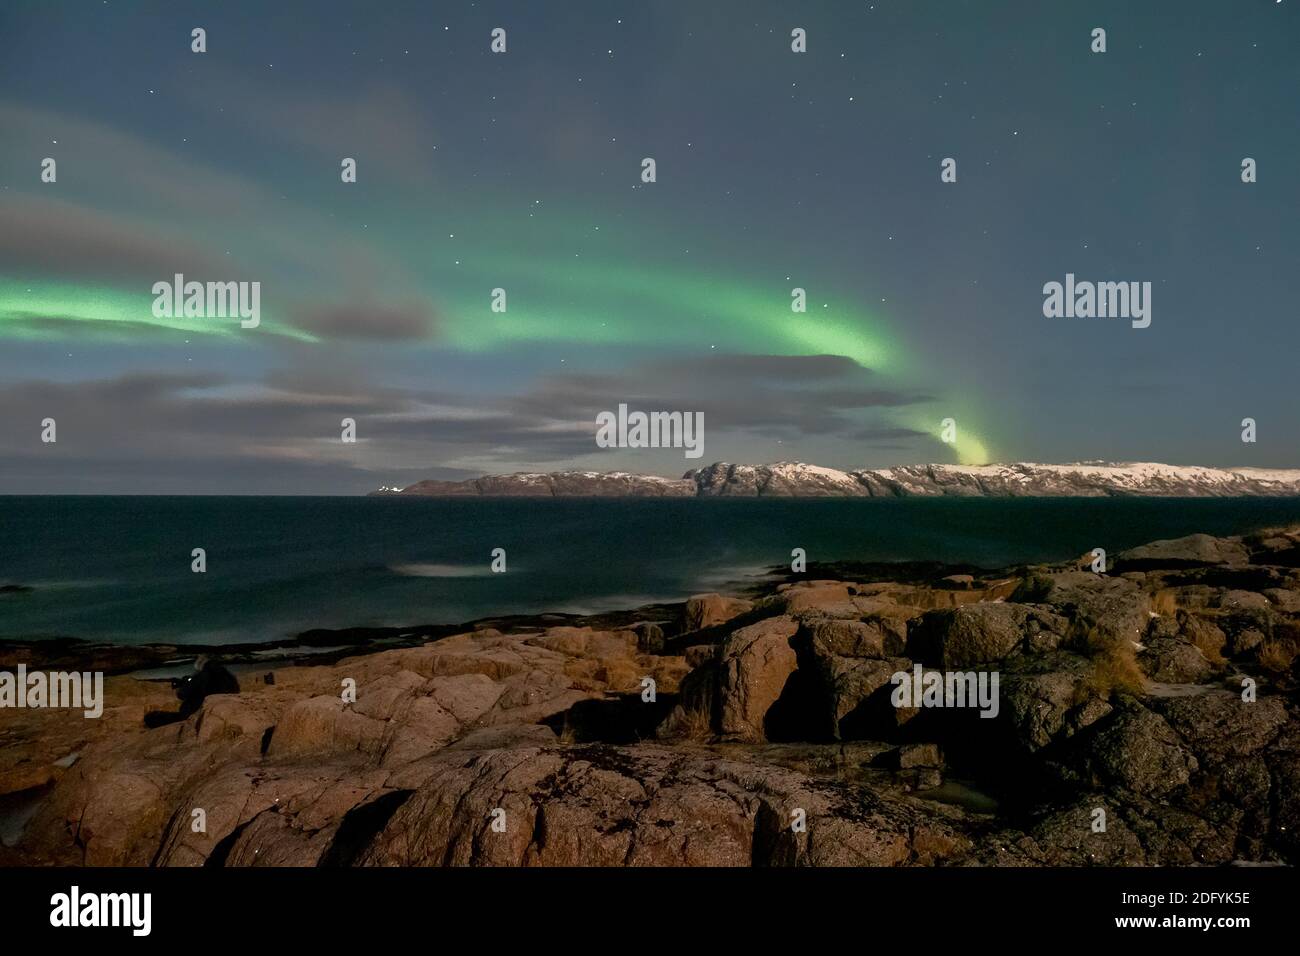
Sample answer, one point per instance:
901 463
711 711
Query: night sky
522 171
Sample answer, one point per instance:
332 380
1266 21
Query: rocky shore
1145 715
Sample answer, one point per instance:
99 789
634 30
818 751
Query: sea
120 569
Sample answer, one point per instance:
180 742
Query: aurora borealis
521 171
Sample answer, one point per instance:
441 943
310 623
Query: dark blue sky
521 171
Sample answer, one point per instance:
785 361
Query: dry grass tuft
1278 653
695 724
1277 656
1114 668
1165 603
1210 644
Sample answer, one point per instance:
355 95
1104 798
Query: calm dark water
118 569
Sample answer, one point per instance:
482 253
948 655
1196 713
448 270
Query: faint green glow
970 450
967 447
603 302
53 312
593 301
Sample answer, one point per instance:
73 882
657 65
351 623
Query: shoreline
1164 693
411 571
323 645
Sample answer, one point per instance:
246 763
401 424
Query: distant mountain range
797 480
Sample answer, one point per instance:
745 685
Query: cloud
169 433
371 322
150 433
146 177
551 423
379 125
772 395
52 237
144 433
883 437
147 198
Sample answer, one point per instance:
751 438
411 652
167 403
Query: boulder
648 806
1066 837
585 642
1244 641
324 724
821 599
909 756
879 637
1219 724
425 727
754 664
382 697
234 715
708 610
979 634
1049 699
1176 836
849 687
467 697
1194 550
1139 751
1286 600
1236 599
1101 610
1170 660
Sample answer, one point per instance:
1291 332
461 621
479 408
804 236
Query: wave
440 570
731 576
611 602
55 584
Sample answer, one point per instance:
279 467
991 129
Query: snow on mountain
788 479
1082 479
557 484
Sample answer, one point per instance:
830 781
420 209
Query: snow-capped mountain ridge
1090 479
788 479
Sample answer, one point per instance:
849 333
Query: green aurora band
549 301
